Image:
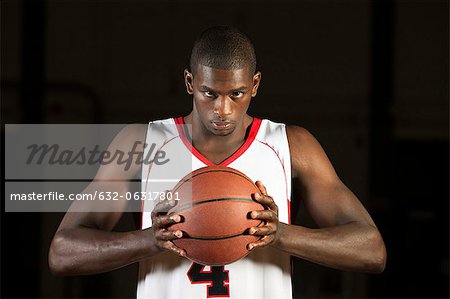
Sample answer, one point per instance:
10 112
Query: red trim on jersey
285 180
180 127
289 211
146 179
256 124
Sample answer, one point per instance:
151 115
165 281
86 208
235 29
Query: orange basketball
214 203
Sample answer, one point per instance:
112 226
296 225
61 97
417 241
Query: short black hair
223 47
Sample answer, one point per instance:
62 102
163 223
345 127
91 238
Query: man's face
221 97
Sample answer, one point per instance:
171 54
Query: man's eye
209 94
237 93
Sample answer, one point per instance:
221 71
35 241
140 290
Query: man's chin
222 132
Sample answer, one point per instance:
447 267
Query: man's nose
222 106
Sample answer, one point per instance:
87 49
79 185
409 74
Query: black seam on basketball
214 170
189 205
218 238
214 238
187 236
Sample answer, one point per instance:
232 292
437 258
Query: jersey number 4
216 278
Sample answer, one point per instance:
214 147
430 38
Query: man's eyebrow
240 88
206 87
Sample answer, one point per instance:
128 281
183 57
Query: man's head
225 48
222 79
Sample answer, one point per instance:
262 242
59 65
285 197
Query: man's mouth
221 125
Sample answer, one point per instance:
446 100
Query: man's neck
206 142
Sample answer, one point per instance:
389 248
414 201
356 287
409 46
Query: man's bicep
327 199
125 154
111 184
103 211
331 205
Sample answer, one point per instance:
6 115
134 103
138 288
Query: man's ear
256 81
188 81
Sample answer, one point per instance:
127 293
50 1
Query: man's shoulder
301 141
167 120
297 133
130 137
305 149
134 131
138 131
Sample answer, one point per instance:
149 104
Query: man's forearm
86 250
353 246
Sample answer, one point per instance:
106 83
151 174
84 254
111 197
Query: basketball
214 203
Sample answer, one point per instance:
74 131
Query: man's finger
172 247
165 220
266 200
261 187
265 215
168 235
260 243
163 207
261 231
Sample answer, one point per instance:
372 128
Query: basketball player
222 80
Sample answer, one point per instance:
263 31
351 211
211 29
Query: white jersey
266 272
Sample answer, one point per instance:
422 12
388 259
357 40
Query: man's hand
161 221
268 231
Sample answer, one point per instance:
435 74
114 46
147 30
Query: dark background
368 78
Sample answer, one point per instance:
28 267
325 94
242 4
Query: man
223 80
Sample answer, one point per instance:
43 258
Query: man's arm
84 242
347 238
